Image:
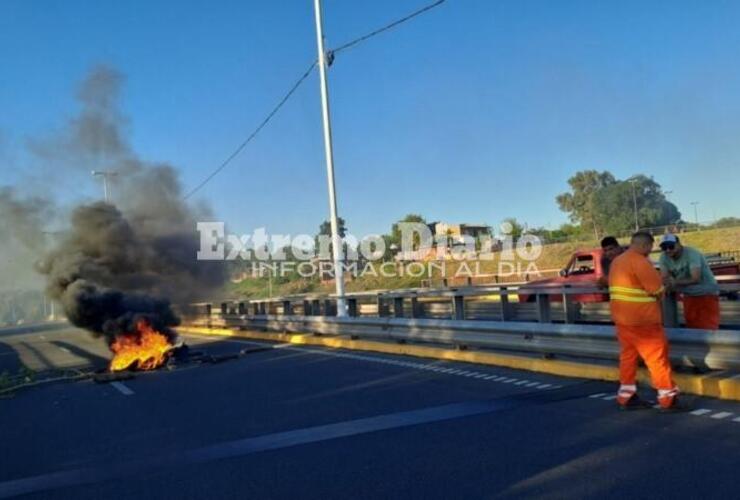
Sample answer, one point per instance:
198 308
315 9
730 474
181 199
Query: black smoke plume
134 257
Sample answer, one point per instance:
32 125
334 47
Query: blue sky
476 111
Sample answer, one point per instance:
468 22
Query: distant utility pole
105 175
634 202
696 215
336 240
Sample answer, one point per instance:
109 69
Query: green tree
727 222
566 231
395 236
325 230
517 229
579 203
616 205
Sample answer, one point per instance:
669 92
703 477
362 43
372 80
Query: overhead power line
330 57
246 141
385 28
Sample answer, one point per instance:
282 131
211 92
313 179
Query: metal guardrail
698 348
550 302
34 327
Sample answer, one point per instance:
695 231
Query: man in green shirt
685 270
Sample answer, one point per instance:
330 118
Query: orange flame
144 350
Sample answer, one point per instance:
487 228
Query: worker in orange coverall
635 289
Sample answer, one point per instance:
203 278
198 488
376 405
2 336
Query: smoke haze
114 263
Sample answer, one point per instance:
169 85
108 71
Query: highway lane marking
700 412
721 415
248 446
65 350
478 375
122 388
406 364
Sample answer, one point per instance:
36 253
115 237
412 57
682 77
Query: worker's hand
669 282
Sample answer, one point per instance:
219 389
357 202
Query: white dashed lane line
122 388
434 367
699 412
716 415
721 415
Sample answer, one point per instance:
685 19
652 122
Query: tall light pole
696 214
336 240
632 181
105 174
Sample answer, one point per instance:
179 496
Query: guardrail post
224 308
670 310
242 308
209 309
458 307
307 308
416 311
382 306
570 308
543 308
329 308
398 307
316 307
504 303
352 307
263 308
255 308
287 308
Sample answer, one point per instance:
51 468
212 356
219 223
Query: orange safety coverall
634 286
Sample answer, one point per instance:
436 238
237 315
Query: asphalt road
292 422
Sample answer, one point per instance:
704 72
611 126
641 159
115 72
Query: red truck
585 269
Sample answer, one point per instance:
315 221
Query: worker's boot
635 403
676 406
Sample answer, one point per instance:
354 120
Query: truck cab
583 269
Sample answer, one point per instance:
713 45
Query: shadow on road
10 361
95 360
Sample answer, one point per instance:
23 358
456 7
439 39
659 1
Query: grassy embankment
553 256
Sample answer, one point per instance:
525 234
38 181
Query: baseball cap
668 240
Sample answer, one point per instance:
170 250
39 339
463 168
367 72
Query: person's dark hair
642 237
609 241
